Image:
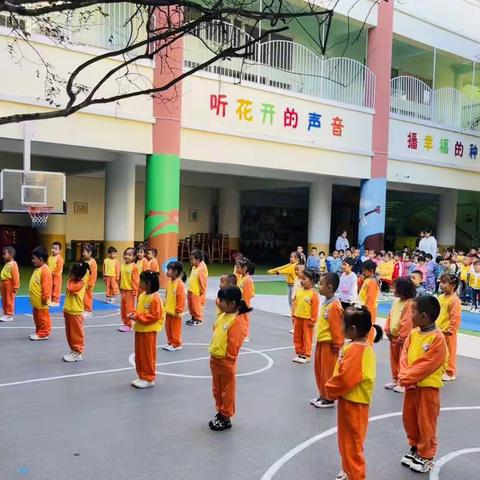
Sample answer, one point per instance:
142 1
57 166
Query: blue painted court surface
22 306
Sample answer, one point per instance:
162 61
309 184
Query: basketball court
85 421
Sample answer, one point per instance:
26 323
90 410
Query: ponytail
243 308
378 333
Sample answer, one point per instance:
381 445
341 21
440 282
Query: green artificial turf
271 288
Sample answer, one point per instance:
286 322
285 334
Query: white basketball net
39 216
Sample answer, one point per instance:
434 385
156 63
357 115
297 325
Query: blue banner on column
371 228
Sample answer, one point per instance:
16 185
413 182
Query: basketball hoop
39 215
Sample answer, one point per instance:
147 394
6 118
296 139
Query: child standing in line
9 284
352 384
305 316
73 310
422 365
464 288
417 278
329 337
449 320
148 318
244 270
197 288
313 260
153 265
111 275
142 262
297 285
225 282
474 283
88 255
128 289
398 326
174 306
40 290
224 349
55 264
289 271
348 289
369 293
398 266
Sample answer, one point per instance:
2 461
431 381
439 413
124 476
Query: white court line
8 327
435 473
269 474
93 317
114 370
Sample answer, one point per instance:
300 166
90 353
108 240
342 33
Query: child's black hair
439 259
349 261
78 270
429 305
245 262
298 257
57 244
197 255
151 279
177 266
234 294
321 251
369 266
361 319
153 250
10 250
232 279
41 253
404 288
112 250
418 272
129 248
332 279
90 248
421 258
451 279
311 275
428 256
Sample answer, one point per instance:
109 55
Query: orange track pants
195 306
111 287
224 384
74 331
452 354
127 306
56 288
325 360
173 329
88 300
43 322
8 297
302 336
421 407
146 355
395 352
352 420
246 325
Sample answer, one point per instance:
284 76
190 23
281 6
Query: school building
379 137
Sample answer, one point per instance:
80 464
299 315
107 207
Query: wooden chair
224 248
215 253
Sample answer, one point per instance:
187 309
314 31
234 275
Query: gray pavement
66 422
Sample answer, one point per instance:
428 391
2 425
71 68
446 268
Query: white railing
411 98
281 64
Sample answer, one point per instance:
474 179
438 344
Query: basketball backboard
20 190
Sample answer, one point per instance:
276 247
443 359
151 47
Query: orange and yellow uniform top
330 328
306 304
129 278
74 297
40 287
424 359
287 270
399 320
55 264
175 298
368 296
197 283
385 270
10 273
354 375
91 275
464 273
153 265
245 284
111 268
150 314
474 280
227 336
450 313
143 265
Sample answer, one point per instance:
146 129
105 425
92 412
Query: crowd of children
333 301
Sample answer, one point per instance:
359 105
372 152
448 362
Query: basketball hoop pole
27 146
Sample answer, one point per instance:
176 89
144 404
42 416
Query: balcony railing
280 64
413 99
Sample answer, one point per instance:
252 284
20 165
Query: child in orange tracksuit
226 281
153 265
55 264
244 270
73 310
449 321
422 364
197 288
399 325
88 255
142 262
9 284
174 306
128 289
111 275
290 275
149 319
228 336
40 289
352 384
329 337
305 316
369 293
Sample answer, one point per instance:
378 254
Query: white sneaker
341 476
34 337
390 385
171 348
54 304
291 331
299 359
134 382
73 357
6 318
143 384
399 389
448 378
107 300
87 314
246 340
